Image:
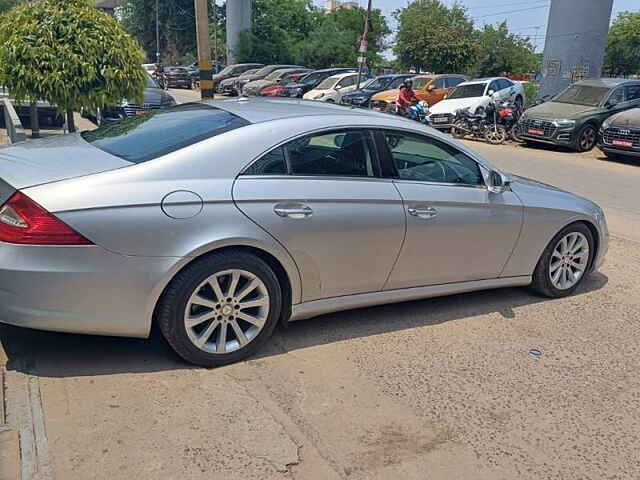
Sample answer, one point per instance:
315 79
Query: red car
274 90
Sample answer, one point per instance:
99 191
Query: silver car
219 220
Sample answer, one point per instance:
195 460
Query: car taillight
25 222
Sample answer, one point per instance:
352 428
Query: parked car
362 97
264 72
231 71
154 98
620 133
177 77
275 90
311 81
430 88
307 208
277 77
227 86
476 95
573 117
332 88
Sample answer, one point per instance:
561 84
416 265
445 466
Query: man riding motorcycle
406 98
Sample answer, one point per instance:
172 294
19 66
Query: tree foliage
503 52
297 32
6 5
68 53
622 55
434 37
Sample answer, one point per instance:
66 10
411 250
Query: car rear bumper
79 289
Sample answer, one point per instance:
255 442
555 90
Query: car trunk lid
52 159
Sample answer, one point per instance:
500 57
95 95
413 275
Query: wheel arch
595 233
288 279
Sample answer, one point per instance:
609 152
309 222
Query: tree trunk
35 121
71 124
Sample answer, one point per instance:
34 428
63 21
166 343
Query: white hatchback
332 89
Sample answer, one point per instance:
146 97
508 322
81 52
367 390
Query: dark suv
572 118
620 134
311 81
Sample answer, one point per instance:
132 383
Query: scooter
420 112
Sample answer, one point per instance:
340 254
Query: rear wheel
220 309
565 262
516 133
458 130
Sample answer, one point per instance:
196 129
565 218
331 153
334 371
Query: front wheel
516 133
220 309
495 134
458 130
565 262
586 140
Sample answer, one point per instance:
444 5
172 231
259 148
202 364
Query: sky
528 18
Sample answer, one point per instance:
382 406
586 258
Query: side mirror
490 93
431 88
497 183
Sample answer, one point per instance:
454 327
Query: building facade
333 5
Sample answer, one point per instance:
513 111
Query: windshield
157 133
274 75
327 83
421 82
396 83
265 70
582 95
380 83
313 78
230 69
468 91
151 83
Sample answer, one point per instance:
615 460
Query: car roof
262 109
606 82
338 76
337 69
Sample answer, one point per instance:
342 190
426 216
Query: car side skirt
314 308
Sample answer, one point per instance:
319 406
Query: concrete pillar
575 42
238 20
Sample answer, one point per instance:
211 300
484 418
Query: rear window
154 134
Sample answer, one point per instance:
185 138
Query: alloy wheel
226 311
569 260
587 139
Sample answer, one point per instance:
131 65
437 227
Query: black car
265 71
154 98
620 134
233 71
178 77
311 81
362 97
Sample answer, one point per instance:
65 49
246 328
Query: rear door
322 197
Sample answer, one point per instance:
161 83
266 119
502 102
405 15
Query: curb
9 439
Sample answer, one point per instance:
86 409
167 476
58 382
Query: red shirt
406 97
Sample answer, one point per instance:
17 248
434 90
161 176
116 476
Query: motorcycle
495 132
420 112
466 123
509 114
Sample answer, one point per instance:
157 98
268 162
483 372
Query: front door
456 229
322 197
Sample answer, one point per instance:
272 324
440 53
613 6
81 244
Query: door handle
423 212
293 210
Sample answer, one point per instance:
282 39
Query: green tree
503 52
70 54
335 41
622 56
434 37
6 5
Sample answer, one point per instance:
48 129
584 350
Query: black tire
171 308
495 134
542 283
515 133
458 131
586 139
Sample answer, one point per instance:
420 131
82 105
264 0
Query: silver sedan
217 221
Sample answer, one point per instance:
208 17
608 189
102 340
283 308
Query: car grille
131 109
441 118
624 134
545 125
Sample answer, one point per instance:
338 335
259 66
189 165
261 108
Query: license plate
141 112
440 120
623 143
377 109
535 131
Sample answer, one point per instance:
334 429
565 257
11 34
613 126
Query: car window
157 133
440 83
339 153
504 83
397 82
632 92
426 159
421 82
494 86
470 90
617 95
347 82
273 163
454 81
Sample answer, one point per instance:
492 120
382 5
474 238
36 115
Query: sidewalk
9 440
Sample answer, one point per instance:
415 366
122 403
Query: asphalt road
437 389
